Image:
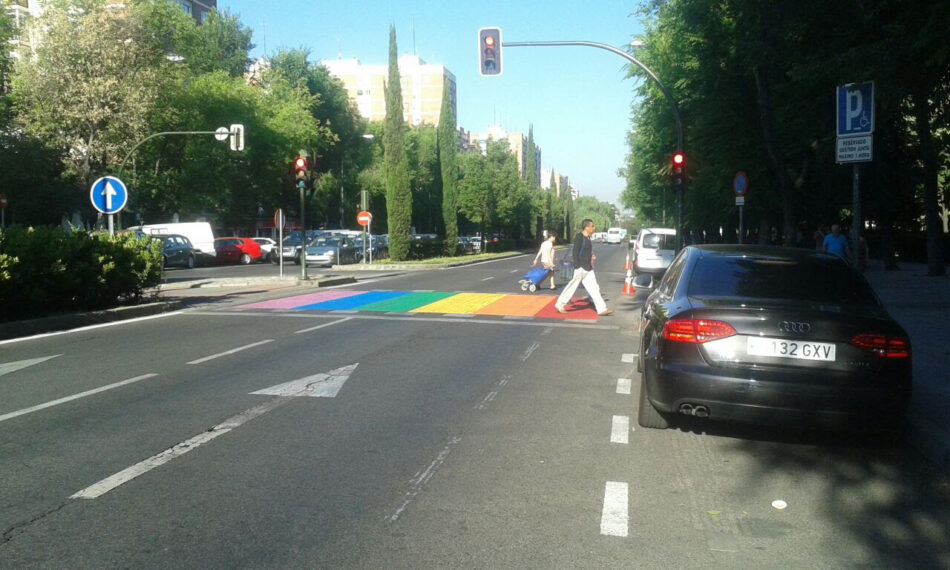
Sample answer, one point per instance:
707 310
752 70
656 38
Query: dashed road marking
39 407
614 518
229 352
623 386
620 429
627 357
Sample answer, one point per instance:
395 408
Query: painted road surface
432 302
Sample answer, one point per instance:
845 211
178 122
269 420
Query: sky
577 99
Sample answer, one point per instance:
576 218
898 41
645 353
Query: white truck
198 233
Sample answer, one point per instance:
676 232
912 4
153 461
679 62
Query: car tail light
696 331
883 345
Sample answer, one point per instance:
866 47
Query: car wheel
190 262
647 415
245 259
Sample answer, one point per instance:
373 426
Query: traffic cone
626 265
628 284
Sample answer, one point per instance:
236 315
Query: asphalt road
401 440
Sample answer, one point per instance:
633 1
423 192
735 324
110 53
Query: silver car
331 250
653 251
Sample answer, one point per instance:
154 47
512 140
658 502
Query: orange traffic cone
628 284
626 265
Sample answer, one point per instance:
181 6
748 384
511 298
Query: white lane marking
483 405
21 364
623 385
323 325
614 518
39 407
421 479
620 429
546 331
325 385
527 354
232 351
90 327
423 290
517 318
627 357
109 483
459 315
488 278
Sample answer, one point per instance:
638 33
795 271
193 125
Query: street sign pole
855 130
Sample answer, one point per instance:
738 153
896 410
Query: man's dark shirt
582 252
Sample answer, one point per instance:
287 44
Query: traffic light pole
669 98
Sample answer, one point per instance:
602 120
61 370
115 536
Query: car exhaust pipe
701 412
687 409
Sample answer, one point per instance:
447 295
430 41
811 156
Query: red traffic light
300 163
489 51
679 159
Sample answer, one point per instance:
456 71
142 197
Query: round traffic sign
364 218
222 133
279 218
740 184
108 195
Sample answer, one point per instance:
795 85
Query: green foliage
492 193
398 193
45 270
449 173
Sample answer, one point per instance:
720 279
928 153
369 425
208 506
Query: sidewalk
921 305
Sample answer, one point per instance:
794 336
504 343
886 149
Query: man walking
583 254
837 243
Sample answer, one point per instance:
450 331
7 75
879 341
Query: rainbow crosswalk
430 302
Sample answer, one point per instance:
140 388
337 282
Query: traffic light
489 51
679 170
301 171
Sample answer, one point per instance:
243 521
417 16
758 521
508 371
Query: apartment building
562 185
197 9
517 144
422 87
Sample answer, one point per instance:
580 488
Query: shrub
45 270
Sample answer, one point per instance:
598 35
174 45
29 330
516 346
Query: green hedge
45 271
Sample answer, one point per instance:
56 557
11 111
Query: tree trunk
776 159
935 263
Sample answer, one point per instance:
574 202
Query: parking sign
856 109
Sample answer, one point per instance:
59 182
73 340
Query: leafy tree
93 80
448 165
220 43
423 159
398 193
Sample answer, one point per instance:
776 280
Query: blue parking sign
108 195
856 109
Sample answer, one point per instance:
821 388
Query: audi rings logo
793 327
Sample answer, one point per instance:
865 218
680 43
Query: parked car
291 244
198 233
653 251
331 250
770 335
236 250
267 248
177 250
465 245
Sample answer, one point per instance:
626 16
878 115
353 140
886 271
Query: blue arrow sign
108 195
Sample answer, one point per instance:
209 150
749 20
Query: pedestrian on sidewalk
837 243
546 255
819 236
583 255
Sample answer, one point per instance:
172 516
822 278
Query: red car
236 250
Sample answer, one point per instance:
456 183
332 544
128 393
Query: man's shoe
605 313
561 310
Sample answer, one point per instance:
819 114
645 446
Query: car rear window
659 241
815 279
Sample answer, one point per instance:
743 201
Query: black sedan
177 250
770 335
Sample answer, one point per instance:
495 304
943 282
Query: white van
615 235
198 233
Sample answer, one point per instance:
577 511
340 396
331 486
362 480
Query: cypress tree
398 192
448 164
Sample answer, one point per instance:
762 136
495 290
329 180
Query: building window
185 5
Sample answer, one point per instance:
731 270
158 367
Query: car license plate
783 348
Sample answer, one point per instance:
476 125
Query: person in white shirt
546 255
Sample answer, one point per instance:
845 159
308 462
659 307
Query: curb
18 329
